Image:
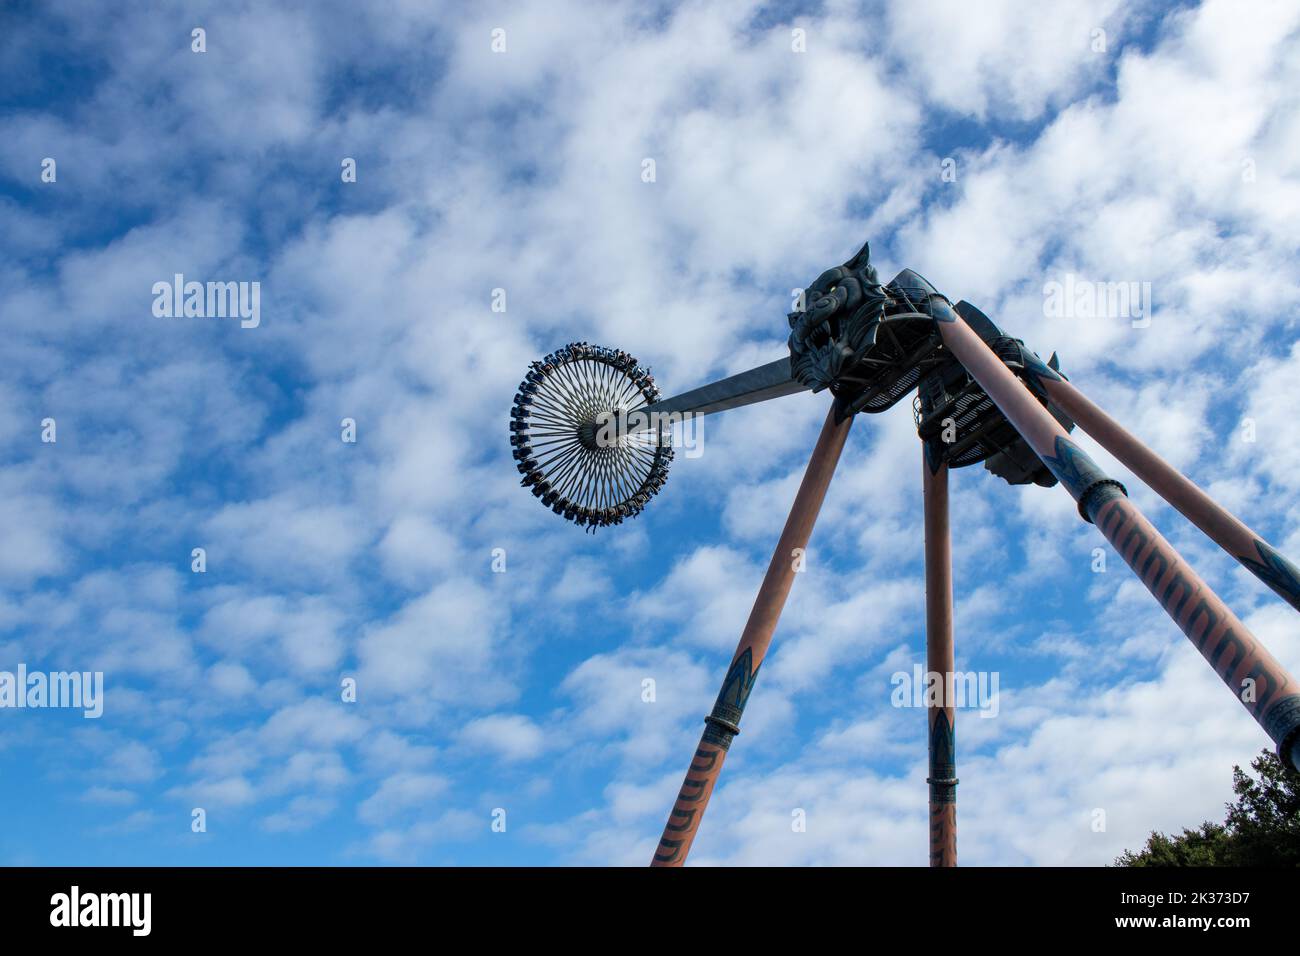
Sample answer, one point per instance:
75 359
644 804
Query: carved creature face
840 312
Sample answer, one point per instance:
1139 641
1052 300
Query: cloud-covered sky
1112 142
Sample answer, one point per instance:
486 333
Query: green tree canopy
1262 827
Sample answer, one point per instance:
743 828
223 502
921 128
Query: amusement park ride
981 395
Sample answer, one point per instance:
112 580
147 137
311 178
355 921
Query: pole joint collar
720 731
1085 499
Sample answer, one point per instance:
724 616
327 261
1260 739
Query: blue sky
1167 154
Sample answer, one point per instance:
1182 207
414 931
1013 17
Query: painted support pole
723 723
1269 693
939 660
1222 527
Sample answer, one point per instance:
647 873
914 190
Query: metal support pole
1268 692
1222 527
939 660
723 723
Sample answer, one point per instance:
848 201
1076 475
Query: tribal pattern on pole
723 722
939 659
1256 678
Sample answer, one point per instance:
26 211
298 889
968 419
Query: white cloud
445 646
511 736
402 792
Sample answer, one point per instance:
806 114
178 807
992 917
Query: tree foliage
1262 828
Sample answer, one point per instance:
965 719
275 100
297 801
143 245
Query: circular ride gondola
565 438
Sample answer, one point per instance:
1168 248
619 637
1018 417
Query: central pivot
868 343
587 436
